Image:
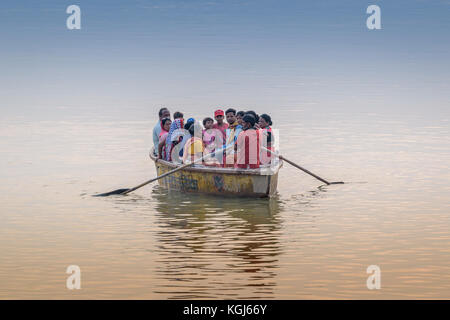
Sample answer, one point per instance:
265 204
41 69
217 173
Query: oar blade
118 191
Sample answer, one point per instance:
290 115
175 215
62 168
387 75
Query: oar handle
299 167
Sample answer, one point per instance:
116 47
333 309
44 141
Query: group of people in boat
244 141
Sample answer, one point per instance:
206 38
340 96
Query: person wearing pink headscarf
165 127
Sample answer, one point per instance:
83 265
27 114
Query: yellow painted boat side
219 181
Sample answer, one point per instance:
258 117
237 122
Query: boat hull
219 181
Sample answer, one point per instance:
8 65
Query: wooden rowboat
257 183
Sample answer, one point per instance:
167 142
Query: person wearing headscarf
163 113
165 127
173 137
184 135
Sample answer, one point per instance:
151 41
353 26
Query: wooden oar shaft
172 171
158 177
304 170
299 167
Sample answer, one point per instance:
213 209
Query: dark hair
240 113
163 121
207 119
178 115
267 118
161 111
188 125
249 118
253 113
230 110
269 136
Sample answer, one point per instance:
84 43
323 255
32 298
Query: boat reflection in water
216 248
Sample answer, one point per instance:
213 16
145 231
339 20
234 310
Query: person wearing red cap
222 126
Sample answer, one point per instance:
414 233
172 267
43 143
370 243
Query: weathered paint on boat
219 181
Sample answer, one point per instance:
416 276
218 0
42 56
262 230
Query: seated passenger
193 149
234 128
173 137
220 125
163 113
185 135
208 137
266 156
247 145
265 121
266 136
253 113
212 140
239 116
165 127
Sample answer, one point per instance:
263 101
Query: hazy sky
135 55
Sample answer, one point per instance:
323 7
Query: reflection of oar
303 169
126 191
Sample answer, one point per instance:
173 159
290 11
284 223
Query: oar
126 191
303 169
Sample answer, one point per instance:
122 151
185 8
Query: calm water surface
310 241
